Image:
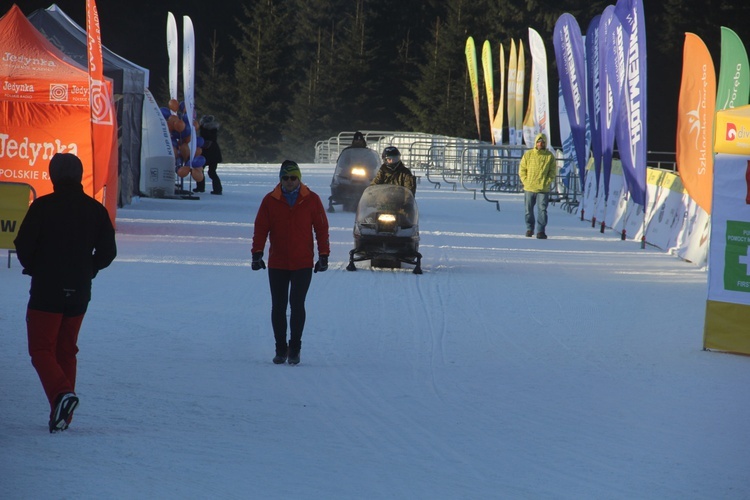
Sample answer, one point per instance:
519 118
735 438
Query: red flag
103 119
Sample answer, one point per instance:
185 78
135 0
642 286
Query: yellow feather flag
497 124
489 84
471 64
512 65
520 78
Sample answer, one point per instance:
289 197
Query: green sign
736 257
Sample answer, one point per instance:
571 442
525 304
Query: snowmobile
386 229
355 169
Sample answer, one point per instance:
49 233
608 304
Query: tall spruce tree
260 82
317 107
441 100
357 87
214 93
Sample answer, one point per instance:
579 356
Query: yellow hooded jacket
537 168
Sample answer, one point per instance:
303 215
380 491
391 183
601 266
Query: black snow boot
294 348
293 357
280 357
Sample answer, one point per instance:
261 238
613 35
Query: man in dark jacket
63 242
393 171
209 131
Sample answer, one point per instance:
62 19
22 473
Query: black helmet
390 151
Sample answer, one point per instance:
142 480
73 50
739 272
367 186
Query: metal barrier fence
469 164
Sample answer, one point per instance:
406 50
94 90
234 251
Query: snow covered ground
512 368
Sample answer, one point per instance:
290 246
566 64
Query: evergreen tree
214 92
399 30
358 82
328 77
259 107
441 101
313 107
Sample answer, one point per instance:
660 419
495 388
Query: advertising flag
734 75
188 77
103 119
520 82
593 96
489 84
566 139
569 49
471 65
172 53
539 83
512 65
631 123
530 130
612 69
45 107
498 122
695 121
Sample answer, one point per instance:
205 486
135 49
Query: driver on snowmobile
393 171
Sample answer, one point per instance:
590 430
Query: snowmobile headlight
358 172
386 223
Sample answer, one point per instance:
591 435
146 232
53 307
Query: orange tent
45 109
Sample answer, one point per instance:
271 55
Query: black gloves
258 263
322 264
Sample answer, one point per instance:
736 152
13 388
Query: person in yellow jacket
537 171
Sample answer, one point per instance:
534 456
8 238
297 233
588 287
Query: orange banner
103 121
695 121
44 106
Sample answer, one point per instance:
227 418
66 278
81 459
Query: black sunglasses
288 177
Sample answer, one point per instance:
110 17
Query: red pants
52 346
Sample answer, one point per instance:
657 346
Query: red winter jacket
291 229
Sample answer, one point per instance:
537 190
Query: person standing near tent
537 171
65 239
209 131
288 216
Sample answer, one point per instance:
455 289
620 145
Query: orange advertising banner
33 69
103 121
695 121
45 108
31 133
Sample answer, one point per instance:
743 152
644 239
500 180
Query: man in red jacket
288 216
65 239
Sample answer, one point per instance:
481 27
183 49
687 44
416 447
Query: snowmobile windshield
388 201
357 164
